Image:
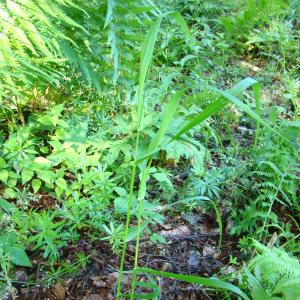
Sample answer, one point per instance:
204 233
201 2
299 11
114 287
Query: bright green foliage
29 53
272 273
98 145
208 186
14 250
114 235
256 14
48 234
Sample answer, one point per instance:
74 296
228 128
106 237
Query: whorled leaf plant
161 139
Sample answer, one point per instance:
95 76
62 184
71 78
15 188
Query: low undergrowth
152 159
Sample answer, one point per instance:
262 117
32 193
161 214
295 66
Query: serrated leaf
18 256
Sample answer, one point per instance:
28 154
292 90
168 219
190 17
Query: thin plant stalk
146 56
128 216
139 219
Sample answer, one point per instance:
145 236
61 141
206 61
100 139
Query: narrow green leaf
109 13
181 22
219 220
209 282
246 109
140 296
146 57
242 85
169 113
211 109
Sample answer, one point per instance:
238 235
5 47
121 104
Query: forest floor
219 192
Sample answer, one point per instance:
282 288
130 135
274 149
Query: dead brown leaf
99 297
113 278
249 66
98 282
59 291
181 231
208 250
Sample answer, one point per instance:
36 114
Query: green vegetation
120 118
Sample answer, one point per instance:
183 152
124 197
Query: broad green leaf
14 175
3 175
26 175
12 182
44 162
10 193
133 232
92 160
209 282
120 205
47 176
2 163
8 239
61 183
121 191
18 256
58 191
7 206
36 184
